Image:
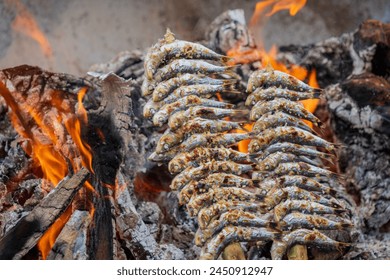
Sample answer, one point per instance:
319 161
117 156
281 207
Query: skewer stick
233 252
297 252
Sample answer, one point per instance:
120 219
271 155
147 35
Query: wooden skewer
297 252
233 252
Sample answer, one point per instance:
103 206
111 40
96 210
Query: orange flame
49 237
275 6
43 126
243 145
73 126
265 9
25 23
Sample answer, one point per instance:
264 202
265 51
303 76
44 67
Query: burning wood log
26 233
72 241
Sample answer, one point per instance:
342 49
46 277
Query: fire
49 237
73 126
275 6
265 9
25 23
46 124
243 145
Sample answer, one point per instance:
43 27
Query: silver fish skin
179 49
230 234
286 134
266 78
271 120
207 214
303 206
267 94
283 105
277 195
298 220
299 181
178 119
292 148
212 140
162 116
273 160
194 126
205 91
182 66
165 88
235 217
202 154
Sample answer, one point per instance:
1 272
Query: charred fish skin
297 189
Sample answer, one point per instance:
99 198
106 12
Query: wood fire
85 175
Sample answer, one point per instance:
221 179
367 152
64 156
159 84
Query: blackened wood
26 78
19 240
101 234
364 154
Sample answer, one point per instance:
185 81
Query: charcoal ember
375 32
128 65
135 235
335 59
375 246
152 216
8 219
364 156
3 190
182 237
372 32
29 193
370 90
331 58
15 165
170 252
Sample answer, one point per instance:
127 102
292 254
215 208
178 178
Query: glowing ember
25 23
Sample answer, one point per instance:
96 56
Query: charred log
26 233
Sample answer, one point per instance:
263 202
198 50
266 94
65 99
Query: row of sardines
277 195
